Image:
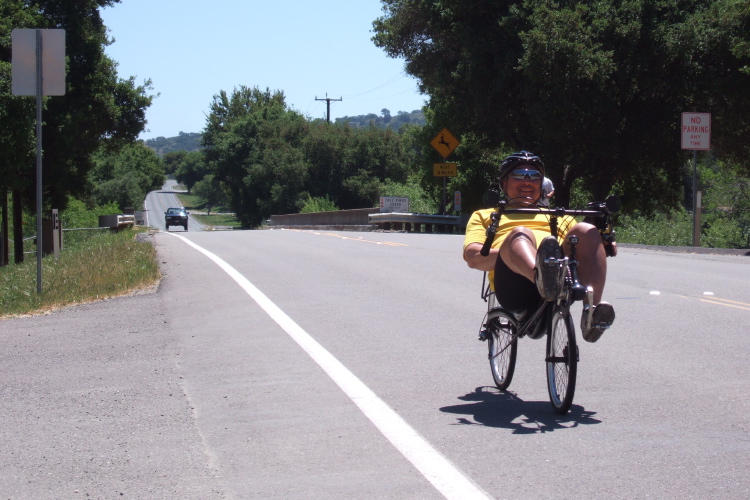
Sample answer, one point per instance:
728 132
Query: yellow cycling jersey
476 229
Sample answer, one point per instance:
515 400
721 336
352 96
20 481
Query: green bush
720 231
669 229
420 202
78 215
309 204
725 221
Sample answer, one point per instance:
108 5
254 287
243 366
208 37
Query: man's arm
475 260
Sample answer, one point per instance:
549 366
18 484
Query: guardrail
355 219
116 222
419 223
369 219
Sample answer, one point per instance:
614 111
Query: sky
193 49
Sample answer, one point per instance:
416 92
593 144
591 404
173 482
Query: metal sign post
444 143
31 63
696 135
39 82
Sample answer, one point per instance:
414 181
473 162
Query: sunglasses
521 174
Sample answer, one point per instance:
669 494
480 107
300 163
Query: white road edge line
443 475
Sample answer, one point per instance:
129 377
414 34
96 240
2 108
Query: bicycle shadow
493 408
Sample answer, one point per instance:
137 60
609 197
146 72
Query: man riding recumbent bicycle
539 262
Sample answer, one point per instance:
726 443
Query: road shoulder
93 405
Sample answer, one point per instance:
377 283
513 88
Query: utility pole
328 105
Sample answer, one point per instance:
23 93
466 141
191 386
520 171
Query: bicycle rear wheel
562 362
503 346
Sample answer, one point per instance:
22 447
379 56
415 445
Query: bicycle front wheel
562 362
503 346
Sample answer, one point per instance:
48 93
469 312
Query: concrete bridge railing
369 219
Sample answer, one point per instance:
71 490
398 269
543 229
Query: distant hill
191 141
385 120
186 141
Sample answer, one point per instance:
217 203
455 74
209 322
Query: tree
252 142
172 160
271 160
125 176
328 149
17 141
351 165
185 141
595 88
191 169
17 115
97 108
209 189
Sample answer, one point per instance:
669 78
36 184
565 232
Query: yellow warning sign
444 169
444 143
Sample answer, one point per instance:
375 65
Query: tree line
184 141
272 160
385 120
99 112
596 89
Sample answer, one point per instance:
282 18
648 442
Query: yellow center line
348 238
725 302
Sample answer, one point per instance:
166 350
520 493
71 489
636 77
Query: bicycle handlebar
596 210
555 211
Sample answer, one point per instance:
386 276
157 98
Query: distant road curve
157 202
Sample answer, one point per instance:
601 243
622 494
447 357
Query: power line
389 82
389 96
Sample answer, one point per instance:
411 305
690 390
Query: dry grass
105 265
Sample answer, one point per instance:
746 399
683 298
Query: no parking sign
696 131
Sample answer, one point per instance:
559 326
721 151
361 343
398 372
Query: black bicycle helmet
517 159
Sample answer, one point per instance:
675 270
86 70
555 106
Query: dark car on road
176 217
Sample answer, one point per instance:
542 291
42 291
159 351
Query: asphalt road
157 203
215 386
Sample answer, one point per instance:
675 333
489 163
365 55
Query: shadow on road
493 408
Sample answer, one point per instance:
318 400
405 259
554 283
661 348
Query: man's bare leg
592 259
518 251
